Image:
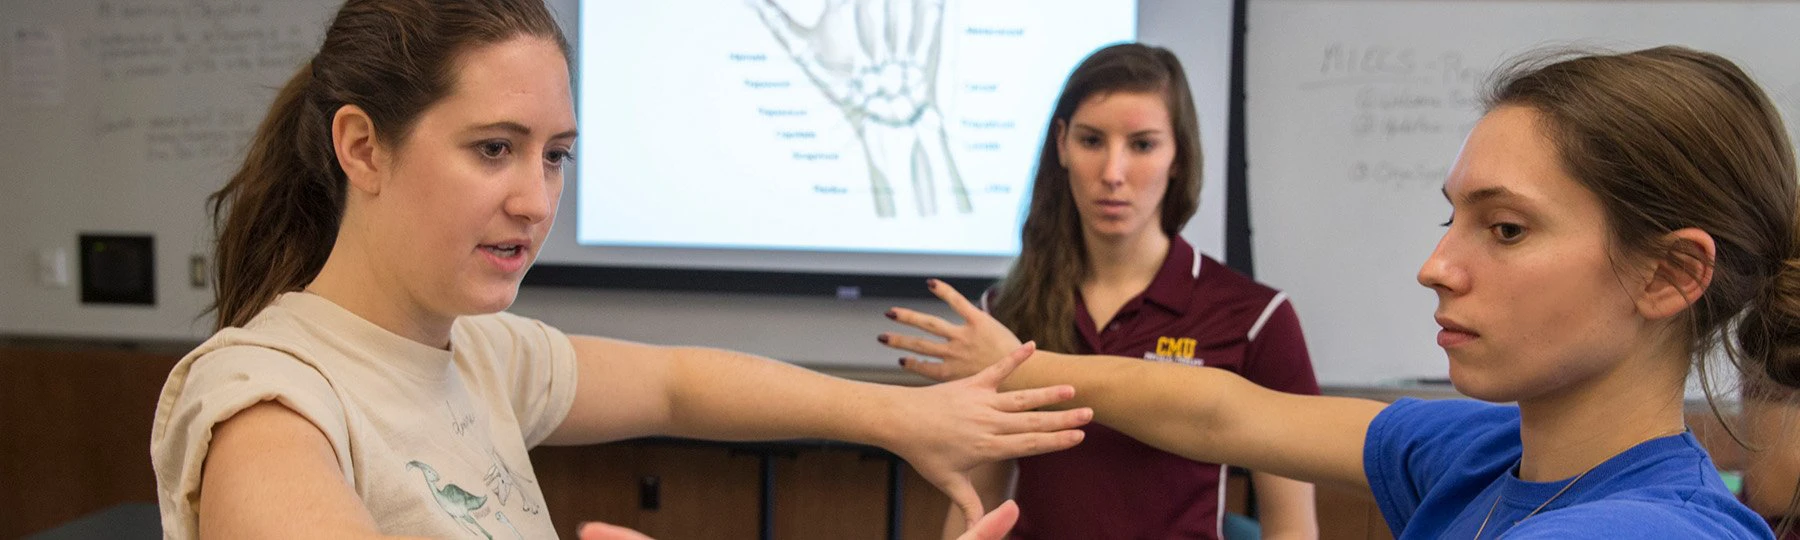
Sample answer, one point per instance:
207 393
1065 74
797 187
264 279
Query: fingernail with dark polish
882 338
891 315
931 284
902 362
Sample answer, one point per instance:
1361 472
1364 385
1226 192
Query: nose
533 198
1441 271
1112 173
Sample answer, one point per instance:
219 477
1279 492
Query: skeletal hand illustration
877 61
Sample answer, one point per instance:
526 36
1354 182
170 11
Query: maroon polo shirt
1195 312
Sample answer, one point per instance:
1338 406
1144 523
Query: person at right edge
1615 219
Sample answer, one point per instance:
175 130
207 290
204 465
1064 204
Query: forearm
1171 407
1213 415
1285 508
725 395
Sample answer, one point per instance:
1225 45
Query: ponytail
277 218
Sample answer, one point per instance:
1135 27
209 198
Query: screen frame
851 285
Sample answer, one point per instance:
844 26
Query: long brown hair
1671 138
277 218
1037 298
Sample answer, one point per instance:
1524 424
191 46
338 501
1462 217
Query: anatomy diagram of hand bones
877 61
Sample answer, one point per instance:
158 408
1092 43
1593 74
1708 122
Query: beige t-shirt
433 441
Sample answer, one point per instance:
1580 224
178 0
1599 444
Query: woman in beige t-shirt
364 382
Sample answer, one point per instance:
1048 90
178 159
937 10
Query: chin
1473 383
491 300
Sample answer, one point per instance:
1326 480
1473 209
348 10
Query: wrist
886 420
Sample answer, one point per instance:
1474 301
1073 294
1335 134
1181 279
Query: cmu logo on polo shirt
1176 350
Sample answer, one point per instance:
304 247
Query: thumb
995 525
962 494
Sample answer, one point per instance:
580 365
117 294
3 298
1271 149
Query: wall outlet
197 271
53 267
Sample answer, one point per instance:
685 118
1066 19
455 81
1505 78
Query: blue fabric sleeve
1414 444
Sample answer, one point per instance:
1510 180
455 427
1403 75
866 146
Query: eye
1143 146
1088 141
1508 233
493 149
1448 221
558 157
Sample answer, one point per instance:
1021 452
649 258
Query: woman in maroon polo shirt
1104 270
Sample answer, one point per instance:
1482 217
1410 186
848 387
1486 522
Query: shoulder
1217 275
505 334
1218 285
1451 436
233 372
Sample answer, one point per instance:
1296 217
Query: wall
122 115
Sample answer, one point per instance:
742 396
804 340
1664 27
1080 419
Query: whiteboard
121 116
1354 111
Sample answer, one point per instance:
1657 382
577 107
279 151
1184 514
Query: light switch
53 267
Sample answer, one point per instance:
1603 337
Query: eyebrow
1485 194
1152 131
520 129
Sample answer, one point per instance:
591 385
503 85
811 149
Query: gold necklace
1534 511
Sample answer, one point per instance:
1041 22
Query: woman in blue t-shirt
1613 218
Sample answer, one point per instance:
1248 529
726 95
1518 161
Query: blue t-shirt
1436 468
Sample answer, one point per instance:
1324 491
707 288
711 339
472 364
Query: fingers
1034 398
924 321
595 530
1046 421
1031 444
936 371
915 344
955 299
992 375
995 524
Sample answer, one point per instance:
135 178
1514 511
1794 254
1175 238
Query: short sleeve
539 371
1414 447
1276 357
205 390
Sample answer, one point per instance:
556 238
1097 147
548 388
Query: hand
950 428
595 530
966 348
993 526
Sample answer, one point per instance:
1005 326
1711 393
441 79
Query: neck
1570 432
350 280
1125 260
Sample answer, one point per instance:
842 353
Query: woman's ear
359 152
1677 281
1058 129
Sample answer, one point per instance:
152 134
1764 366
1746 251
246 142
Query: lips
507 256
1453 333
504 250
1110 207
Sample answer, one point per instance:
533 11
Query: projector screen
836 136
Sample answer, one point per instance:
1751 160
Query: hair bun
1770 328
